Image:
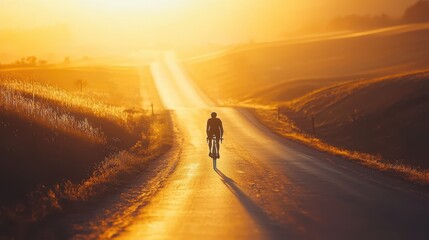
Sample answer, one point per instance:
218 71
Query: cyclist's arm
221 129
207 128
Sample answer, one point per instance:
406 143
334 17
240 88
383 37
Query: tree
419 12
32 60
67 60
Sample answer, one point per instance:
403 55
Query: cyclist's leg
210 144
217 144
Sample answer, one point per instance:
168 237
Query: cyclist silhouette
214 127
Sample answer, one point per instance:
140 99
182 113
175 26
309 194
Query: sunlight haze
112 27
214 119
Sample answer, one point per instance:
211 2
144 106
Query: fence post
151 105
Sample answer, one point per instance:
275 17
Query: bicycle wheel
214 153
214 163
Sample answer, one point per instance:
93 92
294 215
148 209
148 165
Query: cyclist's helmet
214 114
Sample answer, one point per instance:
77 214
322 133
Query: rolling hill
59 146
281 71
386 116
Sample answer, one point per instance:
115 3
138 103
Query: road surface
265 187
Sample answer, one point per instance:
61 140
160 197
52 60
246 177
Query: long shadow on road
270 228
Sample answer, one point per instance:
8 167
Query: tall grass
41 112
125 163
127 140
106 176
67 99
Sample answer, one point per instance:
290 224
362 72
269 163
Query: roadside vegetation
287 128
61 146
385 117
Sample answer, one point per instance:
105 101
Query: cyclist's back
214 127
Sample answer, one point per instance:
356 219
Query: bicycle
214 150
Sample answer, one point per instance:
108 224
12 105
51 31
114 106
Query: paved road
265 187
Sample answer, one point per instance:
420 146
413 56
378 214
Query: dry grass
287 129
107 84
126 163
124 142
108 175
40 112
67 99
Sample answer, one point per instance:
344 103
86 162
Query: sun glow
142 5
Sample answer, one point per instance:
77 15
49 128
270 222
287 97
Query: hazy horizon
80 27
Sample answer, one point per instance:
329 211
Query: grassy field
387 132
61 144
113 85
281 71
386 116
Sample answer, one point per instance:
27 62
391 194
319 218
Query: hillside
281 71
45 128
58 146
385 116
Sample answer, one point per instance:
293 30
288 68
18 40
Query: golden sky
112 26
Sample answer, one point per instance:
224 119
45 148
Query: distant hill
416 13
280 71
387 116
359 22
419 12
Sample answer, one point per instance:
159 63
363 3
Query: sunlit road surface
265 187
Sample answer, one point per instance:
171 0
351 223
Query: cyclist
214 127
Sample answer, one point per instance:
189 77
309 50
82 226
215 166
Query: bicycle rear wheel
214 154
